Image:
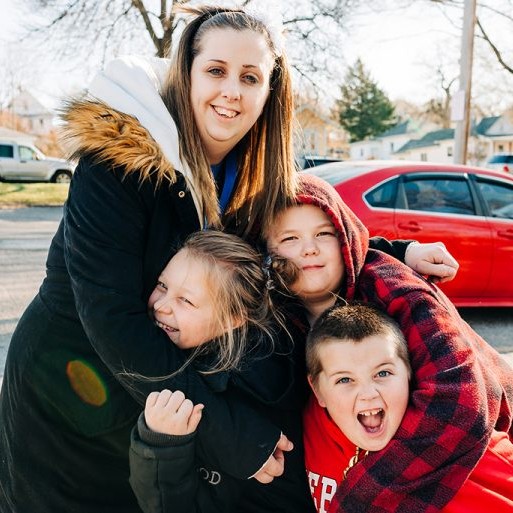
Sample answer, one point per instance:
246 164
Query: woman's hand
275 465
171 413
432 260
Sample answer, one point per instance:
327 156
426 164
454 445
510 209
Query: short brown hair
351 322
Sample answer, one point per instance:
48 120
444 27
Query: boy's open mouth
371 420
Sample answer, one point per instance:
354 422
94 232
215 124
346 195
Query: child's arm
428 259
164 471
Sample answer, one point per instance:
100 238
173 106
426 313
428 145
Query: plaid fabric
463 388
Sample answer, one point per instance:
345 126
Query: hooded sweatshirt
463 389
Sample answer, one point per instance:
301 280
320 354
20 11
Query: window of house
449 151
423 157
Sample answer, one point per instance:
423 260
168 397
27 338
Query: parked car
502 162
24 162
308 161
469 209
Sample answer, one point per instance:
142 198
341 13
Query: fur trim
92 127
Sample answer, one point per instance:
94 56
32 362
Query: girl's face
305 235
364 387
182 303
229 87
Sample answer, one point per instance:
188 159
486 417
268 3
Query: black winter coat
69 400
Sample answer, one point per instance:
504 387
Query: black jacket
69 397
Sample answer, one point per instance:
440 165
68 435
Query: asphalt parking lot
25 235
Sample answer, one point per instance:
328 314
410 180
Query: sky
401 49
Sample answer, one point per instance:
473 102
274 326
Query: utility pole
461 100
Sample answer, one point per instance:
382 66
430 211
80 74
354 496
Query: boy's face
305 235
364 387
181 303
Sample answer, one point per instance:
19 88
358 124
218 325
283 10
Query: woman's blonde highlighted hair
266 180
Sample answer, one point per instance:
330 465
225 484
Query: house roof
399 129
430 139
482 127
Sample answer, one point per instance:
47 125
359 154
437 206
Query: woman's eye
161 286
250 79
288 239
383 374
344 380
186 301
325 234
215 71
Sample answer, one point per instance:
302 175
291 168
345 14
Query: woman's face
229 87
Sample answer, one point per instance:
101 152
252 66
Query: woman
162 154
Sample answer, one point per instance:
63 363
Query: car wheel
61 177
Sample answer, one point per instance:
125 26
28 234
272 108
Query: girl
213 302
165 149
463 388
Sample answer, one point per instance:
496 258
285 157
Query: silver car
21 161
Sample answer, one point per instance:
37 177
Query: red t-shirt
328 451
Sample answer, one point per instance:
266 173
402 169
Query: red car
470 209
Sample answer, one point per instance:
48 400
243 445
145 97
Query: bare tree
438 109
489 12
81 30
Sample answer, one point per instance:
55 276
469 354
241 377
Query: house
318 134
38 119
386 144
494 134
435 146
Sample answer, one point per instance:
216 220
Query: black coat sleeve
105 230
395 248
166 477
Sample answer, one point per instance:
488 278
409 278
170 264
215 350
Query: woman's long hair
267 174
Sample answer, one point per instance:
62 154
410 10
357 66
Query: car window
498 196
384 195
501 159
6 151
27 153
444 194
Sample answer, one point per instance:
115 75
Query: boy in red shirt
358 368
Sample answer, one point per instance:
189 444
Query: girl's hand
275 465
432 260
171 413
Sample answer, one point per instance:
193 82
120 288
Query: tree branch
495 50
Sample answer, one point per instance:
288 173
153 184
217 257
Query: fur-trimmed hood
124 121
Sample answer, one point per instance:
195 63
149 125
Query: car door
442 207
498 199
8 162
31 167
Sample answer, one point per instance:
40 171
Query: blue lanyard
230 175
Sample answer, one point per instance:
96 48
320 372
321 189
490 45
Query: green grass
32 194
